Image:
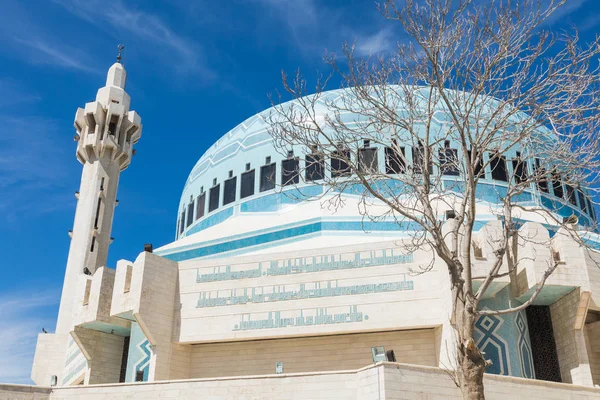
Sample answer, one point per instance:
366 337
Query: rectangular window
519 170
571 194
557 185
582 203
213 198
394 160
448 161
247 184
97 219
229 190
290 171
478 169
418 154
267 177
200 205
339 167
181 221
367 160
590 206
498 164
541 180
112 125
190 214
315 167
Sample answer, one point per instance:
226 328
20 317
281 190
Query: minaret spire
120 47
106 130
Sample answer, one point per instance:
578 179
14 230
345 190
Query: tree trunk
471 361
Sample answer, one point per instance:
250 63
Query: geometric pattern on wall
524 347
495 347
144 363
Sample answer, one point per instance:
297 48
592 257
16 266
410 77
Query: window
290 170
418 152
571 194
367 159
97 219
213 198
498 164
589 206
112 125
339 167
247 184
315 167
519 169
200 204
582 203
181 221
478 169
229 190
557 185
448 160
267 176
541 180
190 214
394 159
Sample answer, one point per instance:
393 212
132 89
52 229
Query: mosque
265 291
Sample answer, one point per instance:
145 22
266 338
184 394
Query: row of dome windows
368 161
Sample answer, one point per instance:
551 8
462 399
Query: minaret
106 132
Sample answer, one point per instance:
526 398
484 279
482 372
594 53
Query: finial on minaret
119 57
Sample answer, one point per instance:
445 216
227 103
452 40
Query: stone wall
390 381
321 353
24 392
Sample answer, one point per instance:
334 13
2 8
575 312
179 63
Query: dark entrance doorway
543 347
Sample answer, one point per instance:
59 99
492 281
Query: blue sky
196 69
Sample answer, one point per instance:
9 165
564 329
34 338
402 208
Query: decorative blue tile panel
211 221
525 357
505 338
274 202
140 354
492 344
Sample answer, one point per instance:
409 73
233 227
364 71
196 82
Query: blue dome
249 147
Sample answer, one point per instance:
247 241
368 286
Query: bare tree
474 88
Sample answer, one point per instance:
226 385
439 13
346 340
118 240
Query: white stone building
262 281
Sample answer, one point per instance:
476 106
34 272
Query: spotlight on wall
148 247
378 354
87 271
390 356
450 214
53 380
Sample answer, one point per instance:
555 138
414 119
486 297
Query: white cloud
151 33
52 53
25 142
22 316
380 42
